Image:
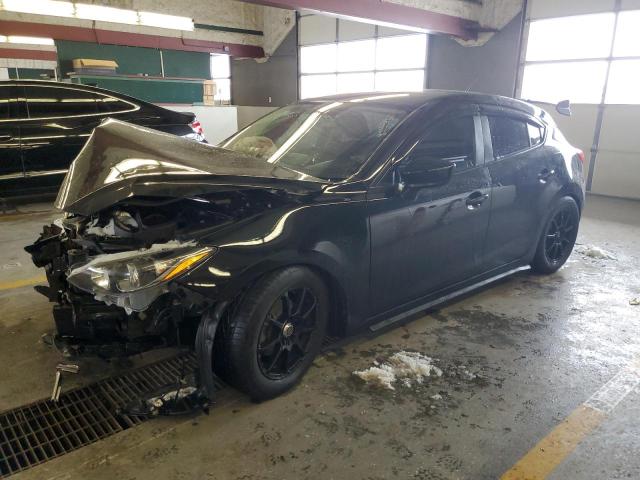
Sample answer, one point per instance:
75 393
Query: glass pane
356 56
317 85
407 81
355 82
535 134
223 90
220 66
580 82
51 102
318 58
508 135
452 139
627 42
582 36
624 79
407 51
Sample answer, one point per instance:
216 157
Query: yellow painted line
548 453
25 282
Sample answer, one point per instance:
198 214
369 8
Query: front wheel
558 237
276 332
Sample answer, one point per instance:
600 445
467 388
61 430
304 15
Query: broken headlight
134 279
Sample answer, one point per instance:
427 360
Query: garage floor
518 359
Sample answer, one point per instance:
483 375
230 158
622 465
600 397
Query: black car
43 126
322 218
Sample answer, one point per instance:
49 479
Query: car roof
414 100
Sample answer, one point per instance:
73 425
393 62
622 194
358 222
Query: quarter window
508 135
108 104
535 134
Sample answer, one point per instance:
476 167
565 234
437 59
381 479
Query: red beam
28 54
95 35
384 12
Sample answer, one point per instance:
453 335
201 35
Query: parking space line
25 282
549 452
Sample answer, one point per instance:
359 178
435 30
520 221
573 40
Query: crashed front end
127 263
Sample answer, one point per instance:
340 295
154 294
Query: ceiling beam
377 11
26 54
96 35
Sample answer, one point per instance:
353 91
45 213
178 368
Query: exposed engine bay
108 272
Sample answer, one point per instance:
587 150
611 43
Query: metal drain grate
41 431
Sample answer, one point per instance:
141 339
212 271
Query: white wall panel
617 174
555 8
317 29
350 30
630 5
620 129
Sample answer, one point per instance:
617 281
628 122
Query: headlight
118 278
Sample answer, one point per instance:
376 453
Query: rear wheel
276 332
558 237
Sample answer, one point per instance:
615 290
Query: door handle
474 200
545 174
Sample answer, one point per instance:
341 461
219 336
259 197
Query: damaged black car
321 219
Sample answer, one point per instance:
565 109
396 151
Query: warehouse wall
490 68
616 169
270 84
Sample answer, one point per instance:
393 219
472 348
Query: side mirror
422 173
564 108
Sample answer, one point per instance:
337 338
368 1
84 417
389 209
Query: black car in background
43 126
323 217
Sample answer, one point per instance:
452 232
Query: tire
558 237
287 312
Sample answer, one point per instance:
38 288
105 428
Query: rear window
508 135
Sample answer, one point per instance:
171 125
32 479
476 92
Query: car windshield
328 141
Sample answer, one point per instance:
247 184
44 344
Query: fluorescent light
3 39
30 40
161 20
39 7
97 12
106 14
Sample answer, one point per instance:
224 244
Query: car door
60 120
425 239
520 174
11 170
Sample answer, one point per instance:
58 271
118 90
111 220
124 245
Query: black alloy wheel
285 335
558 237
273 335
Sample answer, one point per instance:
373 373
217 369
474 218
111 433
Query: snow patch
407 367
593 251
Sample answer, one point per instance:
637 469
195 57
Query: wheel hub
287 330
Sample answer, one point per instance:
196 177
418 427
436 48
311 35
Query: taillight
581 156
196 127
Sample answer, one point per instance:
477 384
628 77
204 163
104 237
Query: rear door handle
474 200
544 175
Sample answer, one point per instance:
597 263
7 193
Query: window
535 134
569 57
328 141
221 74
452 139
46 102
394 63
508 135
107 104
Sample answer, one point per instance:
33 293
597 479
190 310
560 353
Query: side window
451 140
535 134
108 104
47 102
508 135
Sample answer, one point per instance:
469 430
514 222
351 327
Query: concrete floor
539 347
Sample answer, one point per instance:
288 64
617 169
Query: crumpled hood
121 160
